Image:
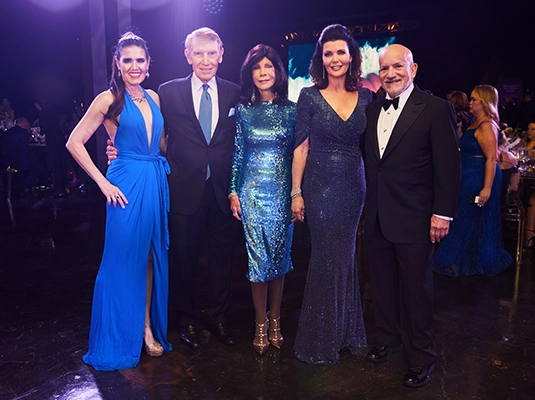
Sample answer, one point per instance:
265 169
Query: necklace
140 99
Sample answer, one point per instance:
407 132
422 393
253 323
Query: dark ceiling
457 44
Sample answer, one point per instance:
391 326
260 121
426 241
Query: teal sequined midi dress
262 178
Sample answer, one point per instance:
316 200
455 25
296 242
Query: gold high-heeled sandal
155 349
260 342
275 336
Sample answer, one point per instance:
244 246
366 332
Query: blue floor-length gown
119 298
474 244
334 190
262 178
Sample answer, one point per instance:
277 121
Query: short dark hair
459 99
255 55
22 120
330 34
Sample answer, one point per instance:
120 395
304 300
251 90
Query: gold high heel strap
261 328
275 337
276 323
261 341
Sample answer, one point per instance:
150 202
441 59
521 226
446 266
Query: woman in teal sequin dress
130 296
260 185
474 244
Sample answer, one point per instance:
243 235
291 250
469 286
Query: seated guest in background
530 209
55 145
261 183
17 154
508 164
527 108
530 131
461 105
6 112
474 245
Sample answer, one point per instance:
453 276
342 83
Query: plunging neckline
332 108
149 143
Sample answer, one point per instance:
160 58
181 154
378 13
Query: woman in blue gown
474 244
329 124
130 295
260 185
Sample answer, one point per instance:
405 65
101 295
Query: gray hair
203 34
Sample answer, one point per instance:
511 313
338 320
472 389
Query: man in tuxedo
413 175
199 120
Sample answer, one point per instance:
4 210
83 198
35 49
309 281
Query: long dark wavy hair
117 86
330 34
280 88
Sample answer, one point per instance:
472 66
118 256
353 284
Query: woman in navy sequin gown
130 297
329 124
474 244
260 185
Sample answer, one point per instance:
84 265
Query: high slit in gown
119 298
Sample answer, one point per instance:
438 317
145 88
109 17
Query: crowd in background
34 151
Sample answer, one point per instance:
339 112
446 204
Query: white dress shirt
387 119
197 90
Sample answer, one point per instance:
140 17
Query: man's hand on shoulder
111 151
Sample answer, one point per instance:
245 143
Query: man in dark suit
413 175
200 124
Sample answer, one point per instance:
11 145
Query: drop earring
323 73
350 63
119 72
147 75
253 97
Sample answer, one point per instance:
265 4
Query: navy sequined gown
474 244
261 176
334 191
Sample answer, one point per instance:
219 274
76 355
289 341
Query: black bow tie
387 103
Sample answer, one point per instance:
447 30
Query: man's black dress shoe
417 376
219 331
190 336
379 354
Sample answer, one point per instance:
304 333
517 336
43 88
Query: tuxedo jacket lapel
375 109
411 110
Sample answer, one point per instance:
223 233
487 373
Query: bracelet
232 194
294 193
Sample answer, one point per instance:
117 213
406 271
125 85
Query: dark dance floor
50 251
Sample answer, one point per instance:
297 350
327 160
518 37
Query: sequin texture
261 175
333 190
